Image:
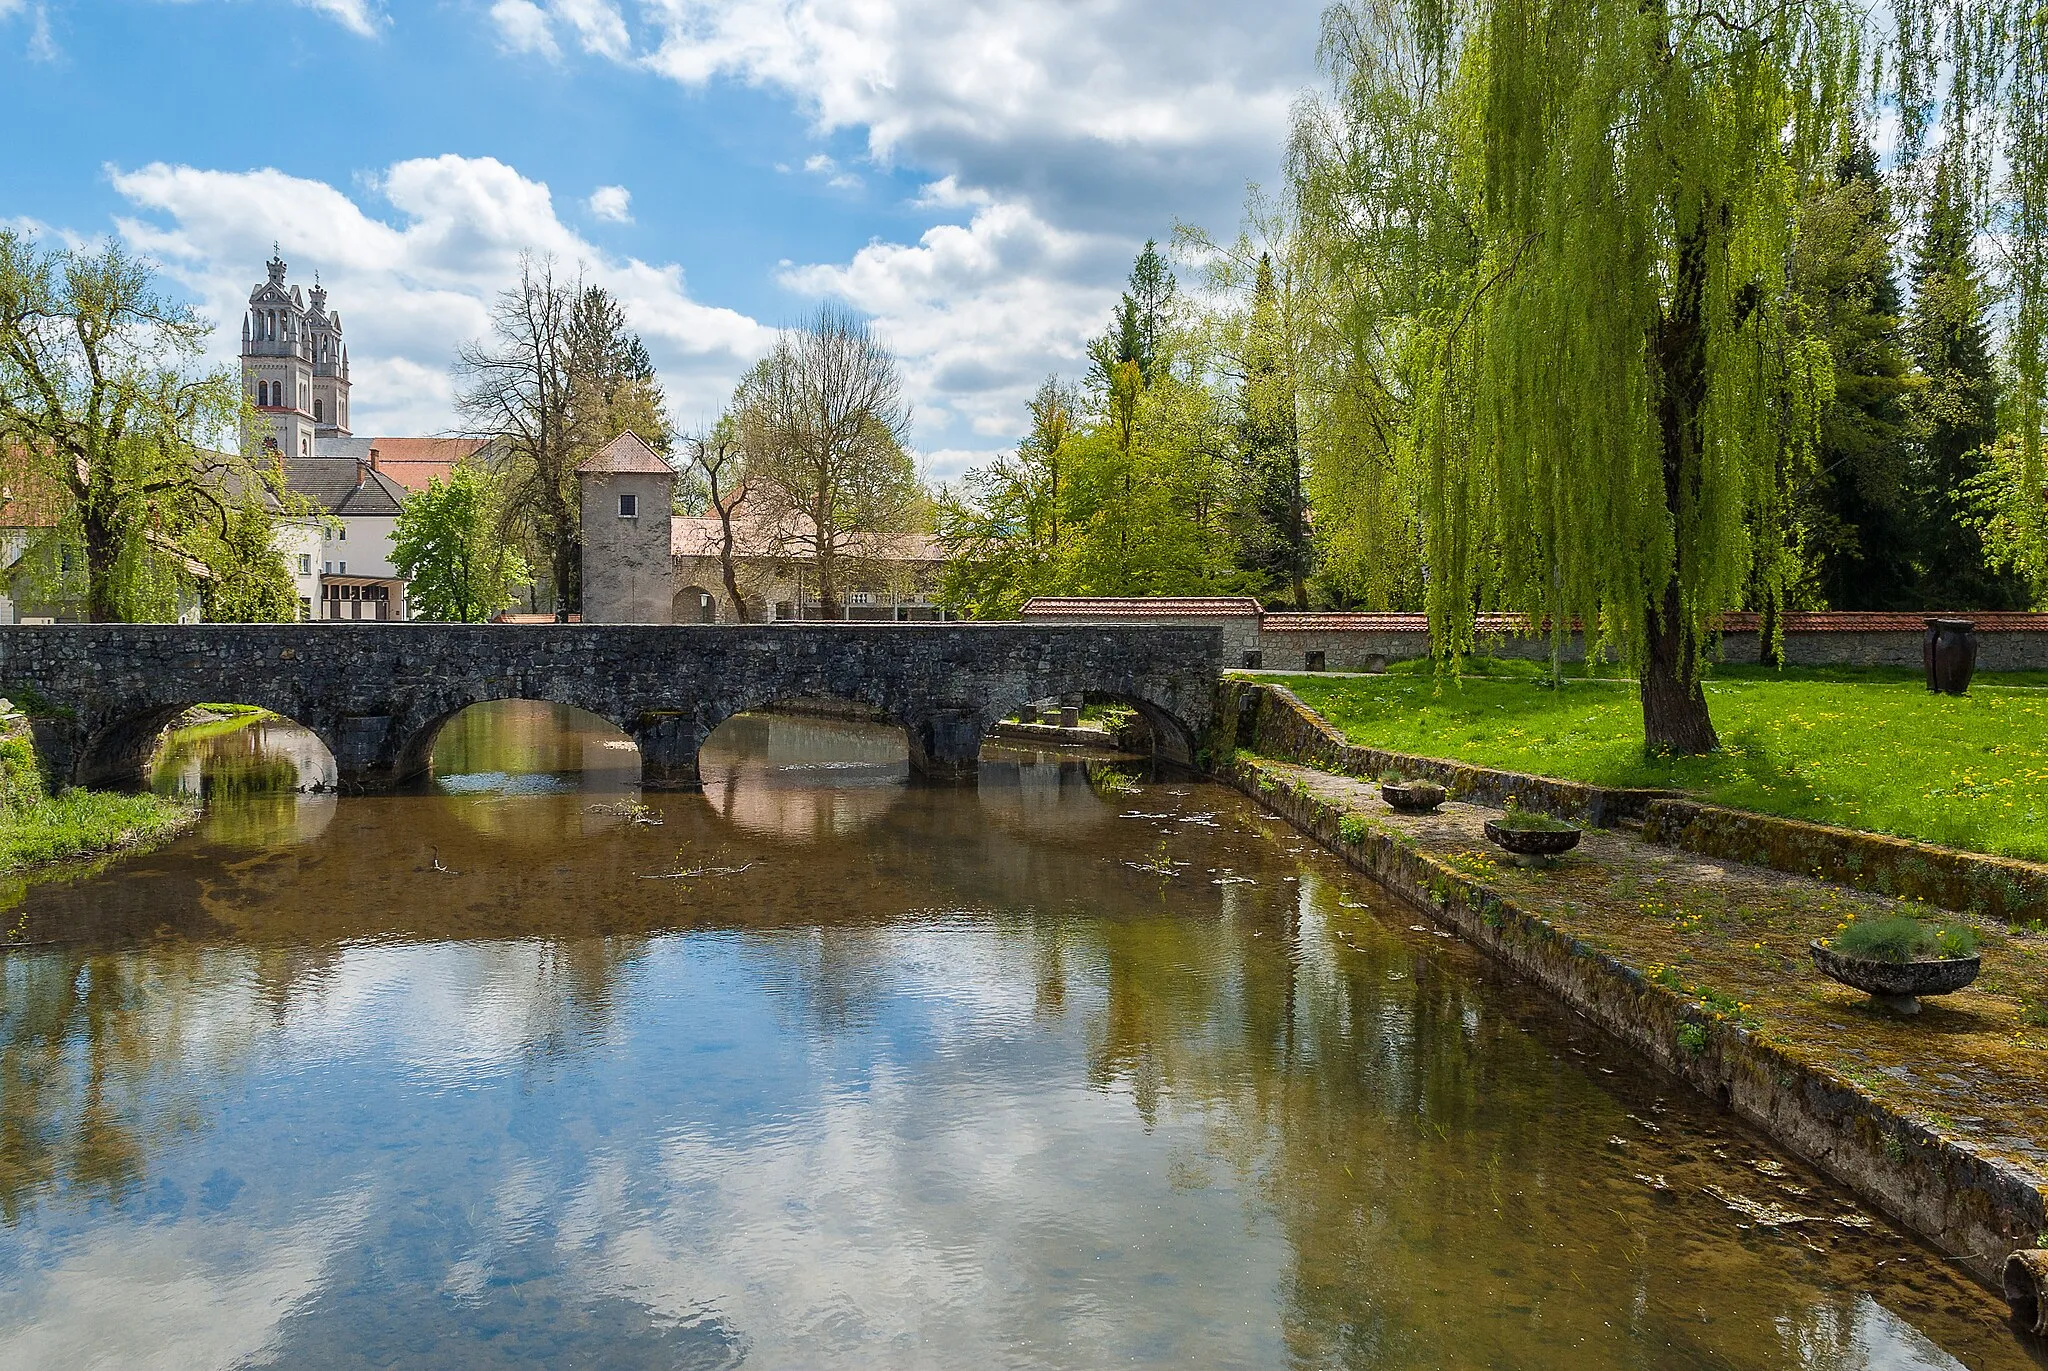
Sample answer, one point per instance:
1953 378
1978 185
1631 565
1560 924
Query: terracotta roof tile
1138 606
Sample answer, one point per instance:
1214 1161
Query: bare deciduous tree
822 422
560 376
720 465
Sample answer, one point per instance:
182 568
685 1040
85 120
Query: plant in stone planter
1897 959
1410 796
1534 839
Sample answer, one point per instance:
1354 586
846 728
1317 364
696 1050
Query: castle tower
277 363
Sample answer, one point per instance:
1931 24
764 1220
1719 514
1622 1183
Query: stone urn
1896 986
1533 846
1949 651
2025 1279
1412 797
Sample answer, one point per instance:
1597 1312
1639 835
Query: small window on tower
629 506
316 411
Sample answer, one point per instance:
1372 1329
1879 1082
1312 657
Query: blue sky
976 177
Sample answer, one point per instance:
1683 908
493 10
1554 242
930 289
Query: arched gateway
377 694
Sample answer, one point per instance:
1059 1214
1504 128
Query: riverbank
38 829
1702 966
1866 750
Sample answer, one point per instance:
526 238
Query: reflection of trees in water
251 773
106 1055
531 737
96 1056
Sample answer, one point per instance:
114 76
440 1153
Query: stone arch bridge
378 694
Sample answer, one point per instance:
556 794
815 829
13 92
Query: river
821 1067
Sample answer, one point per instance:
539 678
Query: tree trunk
1769 651
725 569
1675 717
102 555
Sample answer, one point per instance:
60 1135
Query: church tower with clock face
294 366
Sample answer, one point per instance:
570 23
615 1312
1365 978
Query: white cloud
523 27
979 313
614 203
1071 133
596 25
948 193
412 287
357 16
1062 104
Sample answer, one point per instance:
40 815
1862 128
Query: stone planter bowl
1897 986
1533 846
2026 1288
1413 797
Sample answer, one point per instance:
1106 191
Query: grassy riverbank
37 828
1865 749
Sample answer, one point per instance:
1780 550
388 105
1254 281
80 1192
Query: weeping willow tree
101 406
1590 354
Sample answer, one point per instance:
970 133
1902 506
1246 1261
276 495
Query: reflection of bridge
377 694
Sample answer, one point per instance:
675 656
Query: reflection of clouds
449 1012
866 1232
193 1293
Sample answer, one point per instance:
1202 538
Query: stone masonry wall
377 694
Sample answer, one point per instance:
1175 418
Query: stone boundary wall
1974 1208
2002 887
1272 720
1351 641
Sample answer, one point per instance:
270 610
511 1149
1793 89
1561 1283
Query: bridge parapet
378 694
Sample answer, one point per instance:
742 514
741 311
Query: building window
305 564
342 533
629 506
344 568
316 411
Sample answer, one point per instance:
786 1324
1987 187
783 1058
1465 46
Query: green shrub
1692 1038
1903 938
1353 828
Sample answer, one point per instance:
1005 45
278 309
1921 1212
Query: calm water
826 1069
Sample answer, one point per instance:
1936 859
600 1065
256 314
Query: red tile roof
412 462
1138 606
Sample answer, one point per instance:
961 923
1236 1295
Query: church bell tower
278 366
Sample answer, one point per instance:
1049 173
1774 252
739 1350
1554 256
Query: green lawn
36 828
1867 749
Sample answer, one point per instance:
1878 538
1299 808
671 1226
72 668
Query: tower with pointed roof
294 365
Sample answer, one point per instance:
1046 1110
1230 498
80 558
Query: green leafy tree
449 544
98 402
247 581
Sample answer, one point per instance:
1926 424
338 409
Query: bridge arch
113 750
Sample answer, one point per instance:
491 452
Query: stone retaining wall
1977 1209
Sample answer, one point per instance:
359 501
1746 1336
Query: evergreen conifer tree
1860 537
1957 409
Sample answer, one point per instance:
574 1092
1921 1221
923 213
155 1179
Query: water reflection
972 1080
265 779
798 778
